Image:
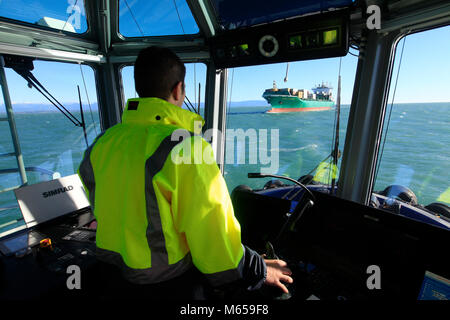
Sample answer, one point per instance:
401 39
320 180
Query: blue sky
424 74
32 11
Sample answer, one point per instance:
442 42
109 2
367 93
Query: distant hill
41 107
250 103
74 106
246 103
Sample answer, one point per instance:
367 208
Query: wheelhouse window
253 12
195 86
51 145
286 128
67 15
414 160
141 18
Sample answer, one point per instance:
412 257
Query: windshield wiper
23 66
33 82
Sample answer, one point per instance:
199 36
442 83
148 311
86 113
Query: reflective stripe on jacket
160 200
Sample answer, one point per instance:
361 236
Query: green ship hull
282 103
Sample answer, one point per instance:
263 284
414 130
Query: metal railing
12 126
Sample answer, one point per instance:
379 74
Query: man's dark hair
157 71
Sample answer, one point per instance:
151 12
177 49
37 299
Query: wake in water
308 147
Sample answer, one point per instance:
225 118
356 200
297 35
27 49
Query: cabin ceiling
101 40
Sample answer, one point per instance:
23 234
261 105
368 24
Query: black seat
261 216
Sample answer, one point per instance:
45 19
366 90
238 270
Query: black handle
262 175
256 175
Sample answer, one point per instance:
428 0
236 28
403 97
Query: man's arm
204 212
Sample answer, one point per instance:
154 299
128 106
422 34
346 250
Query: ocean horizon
75 106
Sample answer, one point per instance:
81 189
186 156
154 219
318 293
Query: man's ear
177 91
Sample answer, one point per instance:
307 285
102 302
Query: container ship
298 100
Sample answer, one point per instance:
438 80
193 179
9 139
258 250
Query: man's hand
278 272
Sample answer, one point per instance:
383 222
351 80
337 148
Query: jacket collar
158 111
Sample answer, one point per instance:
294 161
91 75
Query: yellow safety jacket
160 202
325 172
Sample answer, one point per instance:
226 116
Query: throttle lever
270 251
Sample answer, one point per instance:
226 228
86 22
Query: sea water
416 153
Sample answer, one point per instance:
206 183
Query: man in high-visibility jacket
161 204
326 171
